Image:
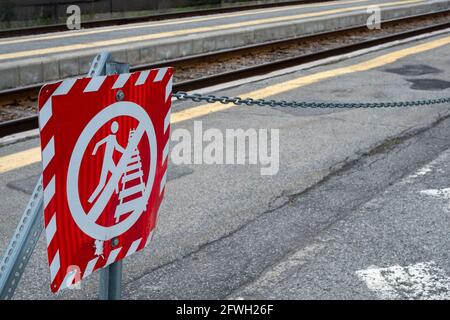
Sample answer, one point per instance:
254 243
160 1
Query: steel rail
31 122
17 32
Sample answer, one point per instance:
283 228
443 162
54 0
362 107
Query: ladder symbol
131 184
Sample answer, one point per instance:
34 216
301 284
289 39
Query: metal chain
196 97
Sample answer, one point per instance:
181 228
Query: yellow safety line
169 23
27 157
128 40
20 159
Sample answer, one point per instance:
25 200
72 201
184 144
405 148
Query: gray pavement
393 246
223 229
36 59
313 246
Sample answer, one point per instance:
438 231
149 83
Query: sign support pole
110 282
111 276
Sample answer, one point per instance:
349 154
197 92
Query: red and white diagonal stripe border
59 276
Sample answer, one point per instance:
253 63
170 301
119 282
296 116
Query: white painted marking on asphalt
282 270
438 193
421 172
421 281
292 262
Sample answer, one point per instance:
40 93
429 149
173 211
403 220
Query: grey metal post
110 282
111 276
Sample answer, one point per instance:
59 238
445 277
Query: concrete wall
53 11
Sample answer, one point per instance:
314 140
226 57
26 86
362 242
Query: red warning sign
105 143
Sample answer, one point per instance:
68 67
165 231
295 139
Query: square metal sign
105 144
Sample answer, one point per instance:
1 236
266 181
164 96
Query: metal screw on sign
120 95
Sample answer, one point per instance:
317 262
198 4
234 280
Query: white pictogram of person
108 165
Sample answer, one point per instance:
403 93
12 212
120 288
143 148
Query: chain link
196 97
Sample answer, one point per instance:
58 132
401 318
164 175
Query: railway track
147 18
31 122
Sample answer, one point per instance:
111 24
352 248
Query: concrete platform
36 59
221 226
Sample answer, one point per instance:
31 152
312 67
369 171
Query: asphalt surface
376 230
313 245
228 231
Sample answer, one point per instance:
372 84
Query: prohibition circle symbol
87 221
